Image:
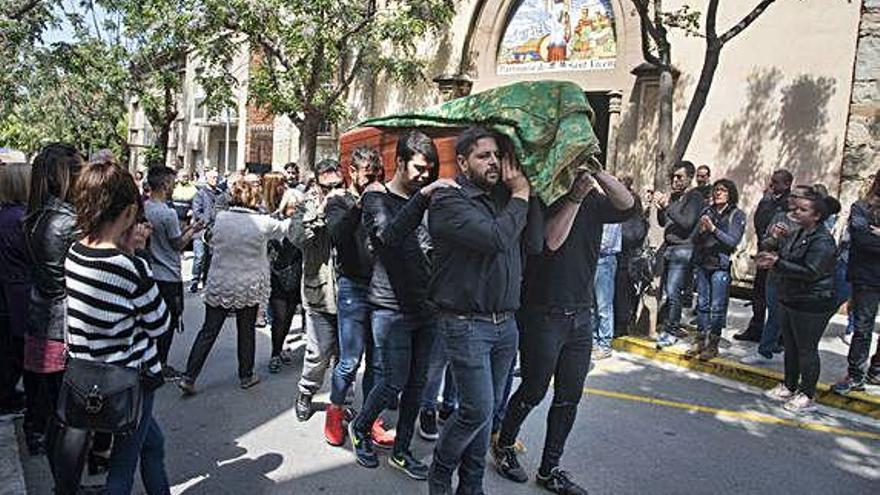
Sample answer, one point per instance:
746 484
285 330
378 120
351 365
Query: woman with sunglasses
804 267
720 230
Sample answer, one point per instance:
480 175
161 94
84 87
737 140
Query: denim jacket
712 250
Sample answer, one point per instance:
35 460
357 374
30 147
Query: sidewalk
832 350
11 473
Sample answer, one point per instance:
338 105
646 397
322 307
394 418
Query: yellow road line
753 417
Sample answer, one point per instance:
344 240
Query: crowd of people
444 289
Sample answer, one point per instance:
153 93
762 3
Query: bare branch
711 18
646 49
645 18
746 21
345 83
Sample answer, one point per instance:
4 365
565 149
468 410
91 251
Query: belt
559 311
493 318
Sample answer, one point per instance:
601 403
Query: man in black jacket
864 274
354 267
678 215
775 201
479 233
557 334
404 326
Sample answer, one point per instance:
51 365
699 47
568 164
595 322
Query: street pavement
642 428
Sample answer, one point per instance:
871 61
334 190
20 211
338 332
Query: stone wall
861 151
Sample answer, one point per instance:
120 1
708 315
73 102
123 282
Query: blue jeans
713 289
678 269
199 271
355 340
864 312
603 319
770 336
439 376
403 345
145 444
481 354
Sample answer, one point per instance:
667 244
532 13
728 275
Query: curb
857 402
11 471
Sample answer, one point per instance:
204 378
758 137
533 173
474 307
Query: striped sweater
114 310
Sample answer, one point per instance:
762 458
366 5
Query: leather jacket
805 268
49 233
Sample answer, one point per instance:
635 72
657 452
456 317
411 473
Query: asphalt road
642 428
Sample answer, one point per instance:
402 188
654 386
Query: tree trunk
698 100
308 140
664 129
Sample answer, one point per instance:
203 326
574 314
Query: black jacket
805 270
49 233
353 256
768 208
864 251
680 218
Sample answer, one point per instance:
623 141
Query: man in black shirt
775 201
478 232
679 216
556 333
404 327
354 267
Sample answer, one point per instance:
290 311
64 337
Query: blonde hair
15 182
291 198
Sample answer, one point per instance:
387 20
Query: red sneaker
381 437
334 433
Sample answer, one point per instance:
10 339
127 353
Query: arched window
558 35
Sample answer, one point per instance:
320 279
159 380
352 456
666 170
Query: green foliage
684 18
312 50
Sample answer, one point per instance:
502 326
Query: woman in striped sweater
115 313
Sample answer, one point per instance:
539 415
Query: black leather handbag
100 397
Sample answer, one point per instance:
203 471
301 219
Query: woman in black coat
804 266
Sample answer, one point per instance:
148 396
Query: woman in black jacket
805 269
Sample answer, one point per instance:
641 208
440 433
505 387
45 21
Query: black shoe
678 332
873 378
98 464
443 412
303 407
413 467
560 481
349 414
508 465
194 287
428 424
747 337
362 445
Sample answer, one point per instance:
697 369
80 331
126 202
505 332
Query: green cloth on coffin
547 121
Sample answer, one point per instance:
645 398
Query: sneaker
381 437
428 424
507 463
800 403
186 385
362 445
444 411
559 481
334 432
349 414
873 378
665 340
413 467
249 381
678 332
169 373
848 385
194 287
601 353
303 407
275 364
748 336
756 359
286 357
779 393
518 446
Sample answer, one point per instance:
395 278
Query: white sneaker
799 404
756 359
779 393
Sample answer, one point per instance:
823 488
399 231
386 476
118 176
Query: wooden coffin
385 140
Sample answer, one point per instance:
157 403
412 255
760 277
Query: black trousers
283 305
215 316
626 299
172 294
553 345
759 303
801 331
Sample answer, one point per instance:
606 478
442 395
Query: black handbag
100 397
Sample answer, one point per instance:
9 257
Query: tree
657 50
309 52
21 25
